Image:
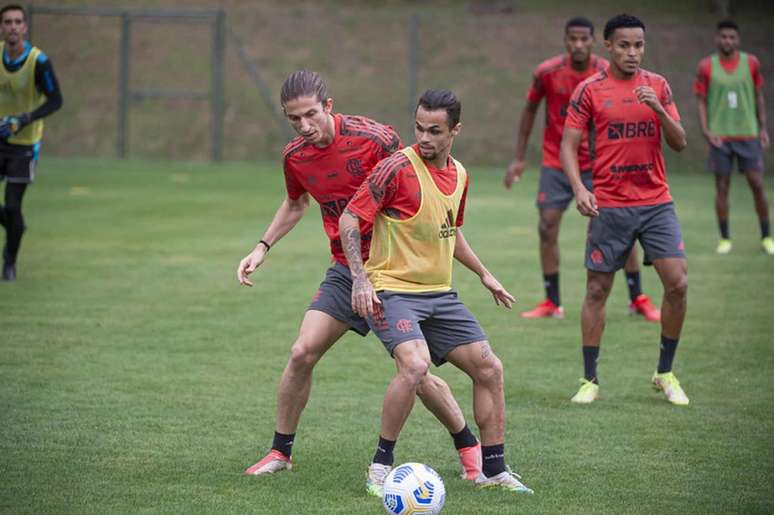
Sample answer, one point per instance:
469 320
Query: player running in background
29 92
415 200
555 79
732 114
628 110
329 159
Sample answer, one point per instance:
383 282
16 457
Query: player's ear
456 129
328 105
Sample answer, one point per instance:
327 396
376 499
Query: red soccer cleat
643 306
273 462
545 309
470 459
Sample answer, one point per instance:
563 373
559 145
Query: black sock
590 355
384 451
668 348
493 459
633 282
723 225
2 216
464 438
765 229
551 283
283 443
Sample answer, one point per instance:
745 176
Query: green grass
137 377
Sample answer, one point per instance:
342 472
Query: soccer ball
413 488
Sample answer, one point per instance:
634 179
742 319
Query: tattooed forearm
349 229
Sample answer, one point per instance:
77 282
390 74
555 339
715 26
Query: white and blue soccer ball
413 488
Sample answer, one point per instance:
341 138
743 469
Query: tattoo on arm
351 241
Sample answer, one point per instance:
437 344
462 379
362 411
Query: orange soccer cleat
545 309
643 306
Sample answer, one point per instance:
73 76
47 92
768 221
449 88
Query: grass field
137 377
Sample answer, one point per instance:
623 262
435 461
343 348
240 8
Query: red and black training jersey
332 175
555 79
628 169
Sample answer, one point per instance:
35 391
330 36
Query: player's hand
248 265
715 140
364 300
500 294
765 143
514 172
11 125
586 203
646 95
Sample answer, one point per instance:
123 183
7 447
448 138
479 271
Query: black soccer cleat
9 272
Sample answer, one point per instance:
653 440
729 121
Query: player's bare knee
548 230
490 373
414 370
597 292
677 289
303 356
429 385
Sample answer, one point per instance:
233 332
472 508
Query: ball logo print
413 488
596 256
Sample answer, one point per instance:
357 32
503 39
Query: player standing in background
732 113
29 92
415 200
556 79
626 109
329 159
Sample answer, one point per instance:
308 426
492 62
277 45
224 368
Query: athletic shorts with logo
439 318
554 190
334 297
612 234
748 154
17 162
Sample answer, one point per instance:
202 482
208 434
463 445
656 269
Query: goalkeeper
28 92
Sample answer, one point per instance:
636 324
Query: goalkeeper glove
11 125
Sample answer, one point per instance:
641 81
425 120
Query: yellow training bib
416 254
18 94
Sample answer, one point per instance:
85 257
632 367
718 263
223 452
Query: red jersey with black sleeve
331 175
628 169
555 79
704 72
393 188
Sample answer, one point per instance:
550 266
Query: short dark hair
579 21
13 7
434 99
303 83
728 24
622 21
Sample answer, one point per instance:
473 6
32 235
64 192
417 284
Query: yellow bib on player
19 95
415 254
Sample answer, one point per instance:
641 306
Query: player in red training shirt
625 110
332 155
556 79
732 114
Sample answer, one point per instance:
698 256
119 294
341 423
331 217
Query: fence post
123 86
217 88
413 66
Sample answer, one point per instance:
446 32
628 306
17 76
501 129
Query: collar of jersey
20 59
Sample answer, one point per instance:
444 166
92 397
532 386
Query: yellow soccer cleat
588 393
375 479
767 244
724 247
668 383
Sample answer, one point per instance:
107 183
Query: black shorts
554 190
613 233
334 297
18 162
748 153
